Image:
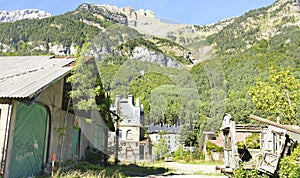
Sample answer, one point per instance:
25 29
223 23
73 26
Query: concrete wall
11 121
60 135
59 128
60 143
52 96
5 111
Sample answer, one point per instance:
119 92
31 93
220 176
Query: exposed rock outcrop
144 54
23 14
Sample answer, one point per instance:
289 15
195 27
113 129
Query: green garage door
29 140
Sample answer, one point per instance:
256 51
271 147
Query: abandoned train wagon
32 109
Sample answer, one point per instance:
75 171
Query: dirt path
190 171
192 168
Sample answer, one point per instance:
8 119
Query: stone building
133 146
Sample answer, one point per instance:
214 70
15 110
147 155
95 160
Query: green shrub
289 166
178 153
252 142
213 147
253 173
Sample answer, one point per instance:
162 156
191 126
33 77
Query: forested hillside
250 65
255 58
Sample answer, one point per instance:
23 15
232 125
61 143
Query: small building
171 134
35 120
133 146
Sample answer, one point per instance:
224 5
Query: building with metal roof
27 76
35 122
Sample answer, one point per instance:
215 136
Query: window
120 133
129 135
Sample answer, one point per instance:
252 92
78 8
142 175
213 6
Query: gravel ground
191 168
190 171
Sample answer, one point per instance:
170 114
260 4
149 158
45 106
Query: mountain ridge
12 16
201 40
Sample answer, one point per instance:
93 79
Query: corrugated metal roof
25 76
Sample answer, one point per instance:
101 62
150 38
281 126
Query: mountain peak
129 12
13 16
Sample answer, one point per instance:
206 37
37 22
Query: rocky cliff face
144 54
142 20
22 14
133 17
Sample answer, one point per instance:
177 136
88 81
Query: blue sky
198 12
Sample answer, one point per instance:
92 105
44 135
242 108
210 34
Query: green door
29 140
75 143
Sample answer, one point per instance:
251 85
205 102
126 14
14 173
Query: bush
180 154
252 142
213 147
289 166
253 173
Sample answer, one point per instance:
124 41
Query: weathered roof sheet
25 76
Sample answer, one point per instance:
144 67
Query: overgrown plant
253 173
90 170
212 147
252 142
278 95
289 166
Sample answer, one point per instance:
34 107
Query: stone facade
133 146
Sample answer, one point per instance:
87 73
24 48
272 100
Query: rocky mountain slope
57 35
261 24
23 14
66 34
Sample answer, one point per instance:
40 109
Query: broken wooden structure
277 140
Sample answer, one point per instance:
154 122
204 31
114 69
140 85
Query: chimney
130 99
137 102
118 98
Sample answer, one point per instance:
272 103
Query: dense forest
23 36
